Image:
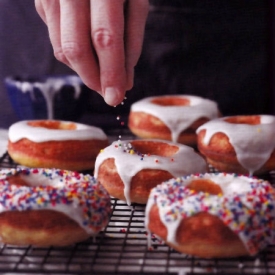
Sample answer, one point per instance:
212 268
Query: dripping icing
185 161
178 118
253 144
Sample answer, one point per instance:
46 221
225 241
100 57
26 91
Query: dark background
219 49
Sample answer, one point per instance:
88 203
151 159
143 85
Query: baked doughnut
173 117
55 144
44 207
129 169
239 144
213 215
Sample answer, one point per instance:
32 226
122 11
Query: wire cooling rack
122 248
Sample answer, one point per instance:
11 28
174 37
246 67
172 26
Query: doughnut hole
206 186
54 125
155 148
34 181
251 120
17 180
171 101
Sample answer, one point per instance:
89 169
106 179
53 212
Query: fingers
135 18
76 41
49 11
107 31
117 38
98 40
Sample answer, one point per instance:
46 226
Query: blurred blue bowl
47 97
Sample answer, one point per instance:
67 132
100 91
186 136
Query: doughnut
128 169
239 144
213 215
43 207
173 117
55 144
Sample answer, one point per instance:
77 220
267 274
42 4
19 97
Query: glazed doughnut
239 144
55 144
213 215
173 117
44 207
129 169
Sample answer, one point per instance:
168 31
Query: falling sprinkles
250 213
128 148
118 118
60 190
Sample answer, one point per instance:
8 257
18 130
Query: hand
100 40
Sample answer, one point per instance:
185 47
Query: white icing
253 144
229 183
178 118
21 129
185 161
3 141
37 180
49 88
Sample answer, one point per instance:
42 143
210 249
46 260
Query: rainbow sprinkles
78 196
246 206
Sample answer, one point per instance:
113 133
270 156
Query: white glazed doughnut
171 117
213 215
50 207
55 144
129 169
239 144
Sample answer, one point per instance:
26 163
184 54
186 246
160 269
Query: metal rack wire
122 249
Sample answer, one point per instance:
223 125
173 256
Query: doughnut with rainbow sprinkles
213 215
44 207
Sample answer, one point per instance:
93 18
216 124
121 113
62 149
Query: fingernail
112 96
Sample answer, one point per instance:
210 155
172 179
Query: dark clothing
216 49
